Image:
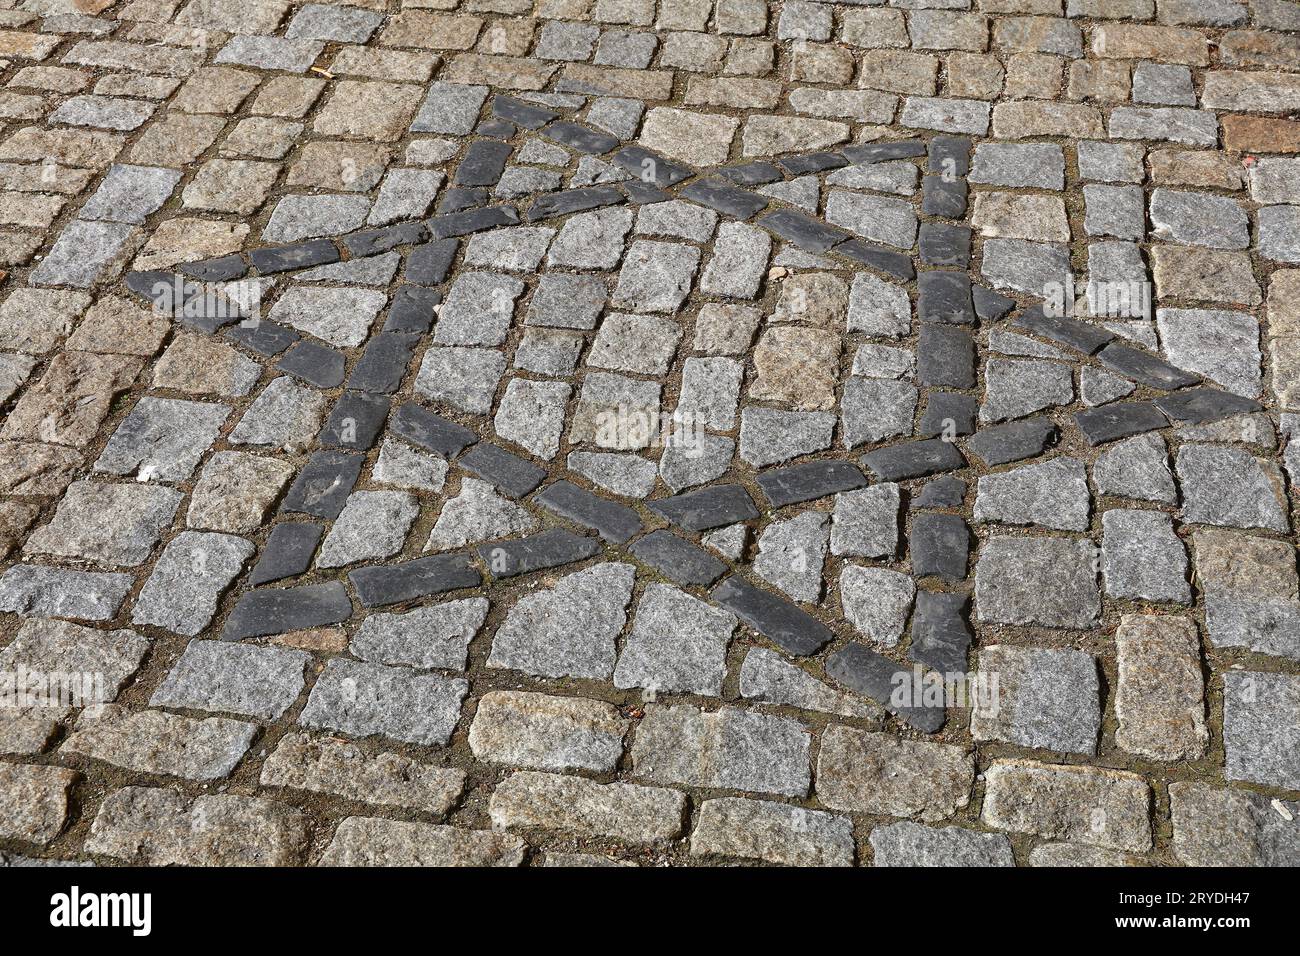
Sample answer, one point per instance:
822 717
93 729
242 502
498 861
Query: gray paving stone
621 811
644 344
1045 697
1229 486
567 301
1137 467
768 677
478 310
1046 581
507 472
341 317
940 545
1230 827
83 252
465 378
876 601
1142 558
424 428
233 678
151 741
280 610
730 748
791 554
913 459
677 558
1039 165
372 525
569 629
777 619
677 643
363 699
914 844
1119 420
323 485
476 514
1260 728
130 194
1052 494
656 276
182 593
546 733
1001 444
875 409
1036 268
1200 219
859 771
1106 808
331 766
1221 345
427 637
33 590
864 523
112 525
625 475
1160 699
769 436
707 508
288 552
381 585
614 522
772 832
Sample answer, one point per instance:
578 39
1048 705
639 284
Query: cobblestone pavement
500 432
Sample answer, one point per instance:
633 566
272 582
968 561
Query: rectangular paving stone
725 198
456 224
380 585
1160 697
151 741
1144 368
1083 336
300 255
233 678
1001 444
548 549
612 521
384 363
1118 420
288 551
411 308
941 638
873 675
355 421
149 826
322 487
809 481
568 201
280 610
113 525
913 845
863 772
1047 698
84 251
331 766
914 459
194 570
544 732
1107 808
678 559
1195 406
34 590
730 748
34 802
650 167
1051 582
429 430
896 264
772 833
779 620
372 841
707 508
1261 735
810 235
508 473
621 811
361 699
939 545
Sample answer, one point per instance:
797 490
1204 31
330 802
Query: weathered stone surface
542 732
1053 494
332 766
861 772
150 741
570 629
111 525
374 841
1228 486
773 833
33 802
677 643
1107 808
363 699
730 748
914 844
622 811
1142 558
1043 697
427 637
1046 581
1260 733
1160 700
876 601
235 678
195 568
1229 827
768 677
